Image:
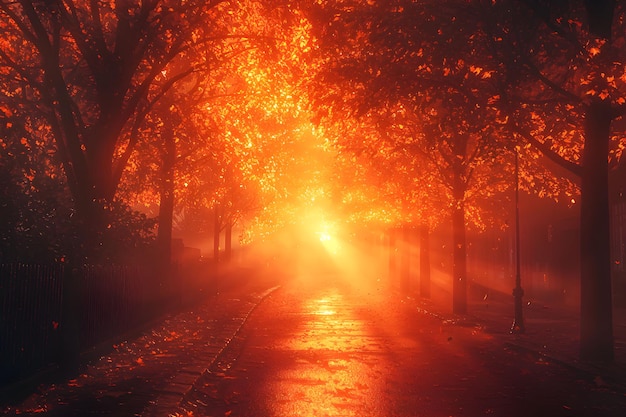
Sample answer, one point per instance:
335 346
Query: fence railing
30 307
108 302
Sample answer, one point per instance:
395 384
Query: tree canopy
394 113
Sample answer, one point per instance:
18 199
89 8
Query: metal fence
110 300
30 304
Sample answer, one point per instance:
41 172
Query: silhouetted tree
564 61
426 64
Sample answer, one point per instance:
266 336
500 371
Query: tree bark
228 246
166 205
459 250
405 260
596 307
216 235
424 261
600 16
596 326
393 264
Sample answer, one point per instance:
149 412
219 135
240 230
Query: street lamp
518 322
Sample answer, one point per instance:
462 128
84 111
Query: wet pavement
149 375
325 347
330 349
551 330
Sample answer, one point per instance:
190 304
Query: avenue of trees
106 104
472 81
119 119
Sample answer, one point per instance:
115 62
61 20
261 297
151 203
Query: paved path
552 329
148 376
333 350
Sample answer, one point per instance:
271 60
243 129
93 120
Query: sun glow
324 237
331 245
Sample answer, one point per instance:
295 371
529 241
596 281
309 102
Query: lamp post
518 322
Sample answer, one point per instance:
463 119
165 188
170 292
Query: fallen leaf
600 382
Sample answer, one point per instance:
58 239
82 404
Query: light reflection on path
330 350
325 348
322 356
327 377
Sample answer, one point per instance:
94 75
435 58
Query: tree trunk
393 264
600 17
92 220
459 255
216 236
596 307
228 247
596 326
405 260
166 205
92 203
166 210
424 261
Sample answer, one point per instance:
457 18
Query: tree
428 68
567 82
262 123
236 152
93 69
385 182
34 210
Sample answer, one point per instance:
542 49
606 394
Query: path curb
604 376
183 383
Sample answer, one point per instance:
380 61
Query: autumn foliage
123 121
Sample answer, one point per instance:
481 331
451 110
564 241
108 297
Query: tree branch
546 150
